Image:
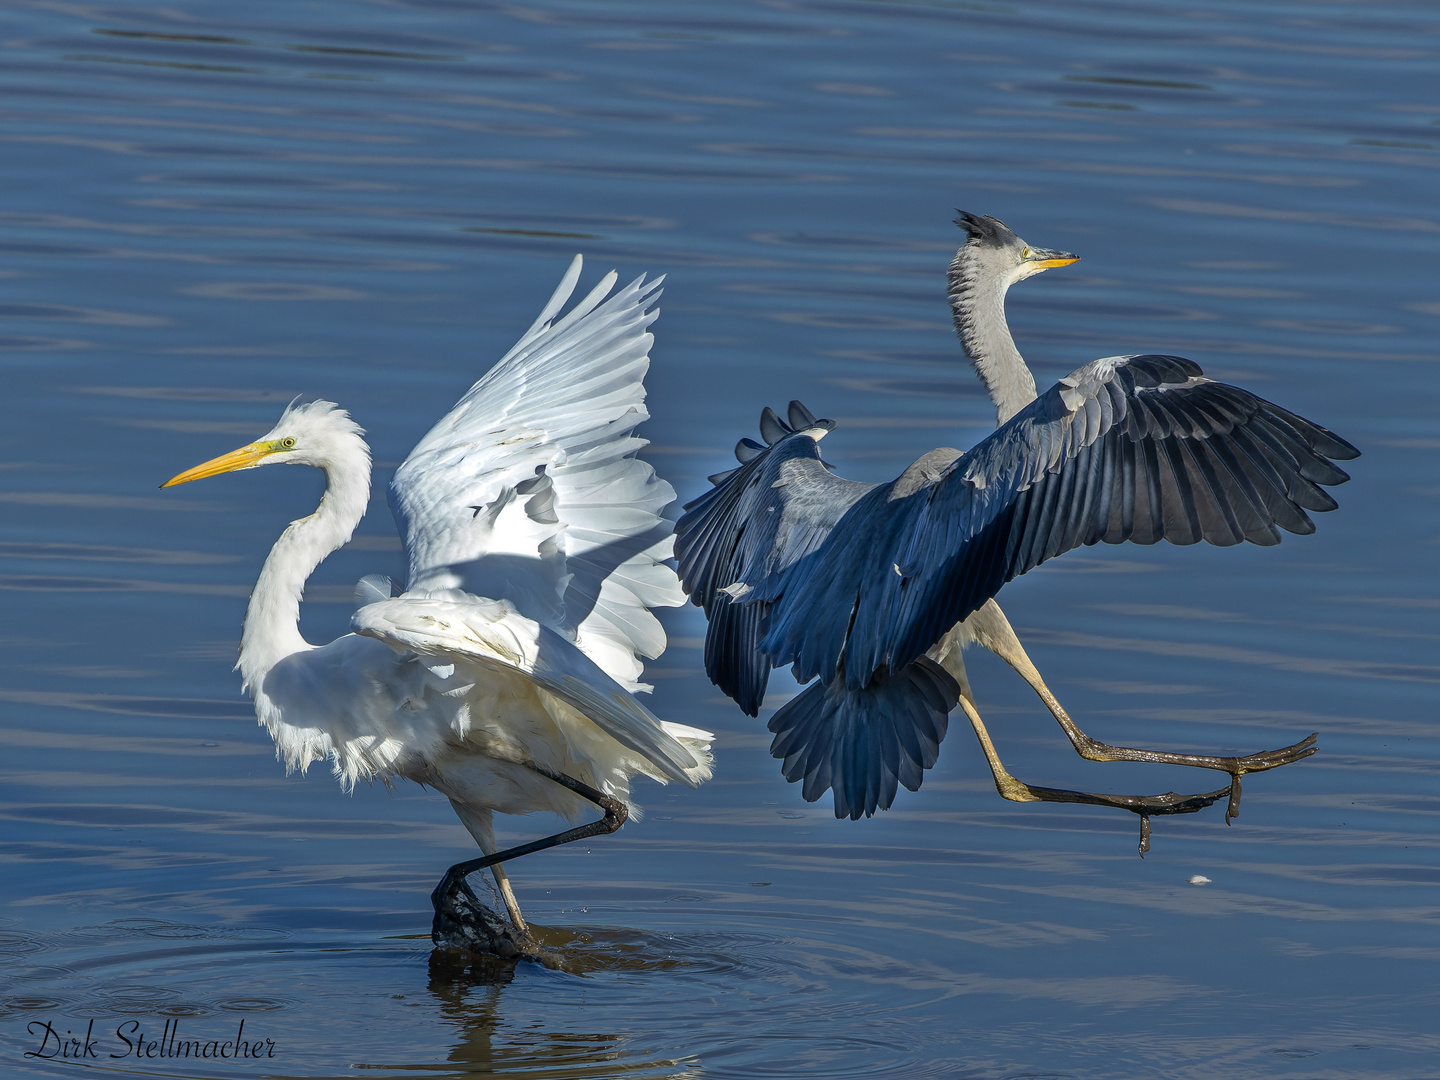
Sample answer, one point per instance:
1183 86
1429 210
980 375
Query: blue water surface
211 207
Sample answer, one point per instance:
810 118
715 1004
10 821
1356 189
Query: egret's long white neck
272 621
977 303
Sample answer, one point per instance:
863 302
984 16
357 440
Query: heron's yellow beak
1037 259
247 457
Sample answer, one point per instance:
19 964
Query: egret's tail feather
698 743
864 743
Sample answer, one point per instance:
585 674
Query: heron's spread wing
758 520
1138 448
529 489
453 625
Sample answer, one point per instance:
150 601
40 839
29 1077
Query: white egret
505 675
875 589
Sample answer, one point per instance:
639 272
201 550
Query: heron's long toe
1267 759
1175 803
1270 759
1095 750
1171 802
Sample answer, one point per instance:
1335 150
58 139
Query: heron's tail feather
863 743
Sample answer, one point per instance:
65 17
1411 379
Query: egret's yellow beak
247 457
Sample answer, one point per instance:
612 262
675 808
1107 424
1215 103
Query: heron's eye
1024 253
287 443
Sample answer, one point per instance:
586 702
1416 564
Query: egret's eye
287 443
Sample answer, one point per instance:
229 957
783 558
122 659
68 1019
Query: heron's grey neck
977 302
272 619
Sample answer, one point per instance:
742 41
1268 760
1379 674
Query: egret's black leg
452 898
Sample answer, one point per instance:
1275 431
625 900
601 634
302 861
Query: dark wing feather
778 507
1138 448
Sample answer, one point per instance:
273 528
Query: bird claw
462 921
1094 750
1171 802
1268 759
1174 803
454 889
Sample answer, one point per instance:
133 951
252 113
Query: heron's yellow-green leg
993 631
1019 791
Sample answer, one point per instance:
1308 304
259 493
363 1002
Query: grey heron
505 675
873 590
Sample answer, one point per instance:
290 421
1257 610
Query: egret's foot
463 921
460 918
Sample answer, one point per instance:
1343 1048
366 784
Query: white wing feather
492 634
529 490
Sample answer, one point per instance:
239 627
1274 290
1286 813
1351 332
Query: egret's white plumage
536 550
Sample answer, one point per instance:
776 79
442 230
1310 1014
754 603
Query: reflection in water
470 988
151 969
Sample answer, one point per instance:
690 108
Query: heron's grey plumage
991 260
854 582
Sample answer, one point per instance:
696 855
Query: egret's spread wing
1137 448
454 625
757 520
529 489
